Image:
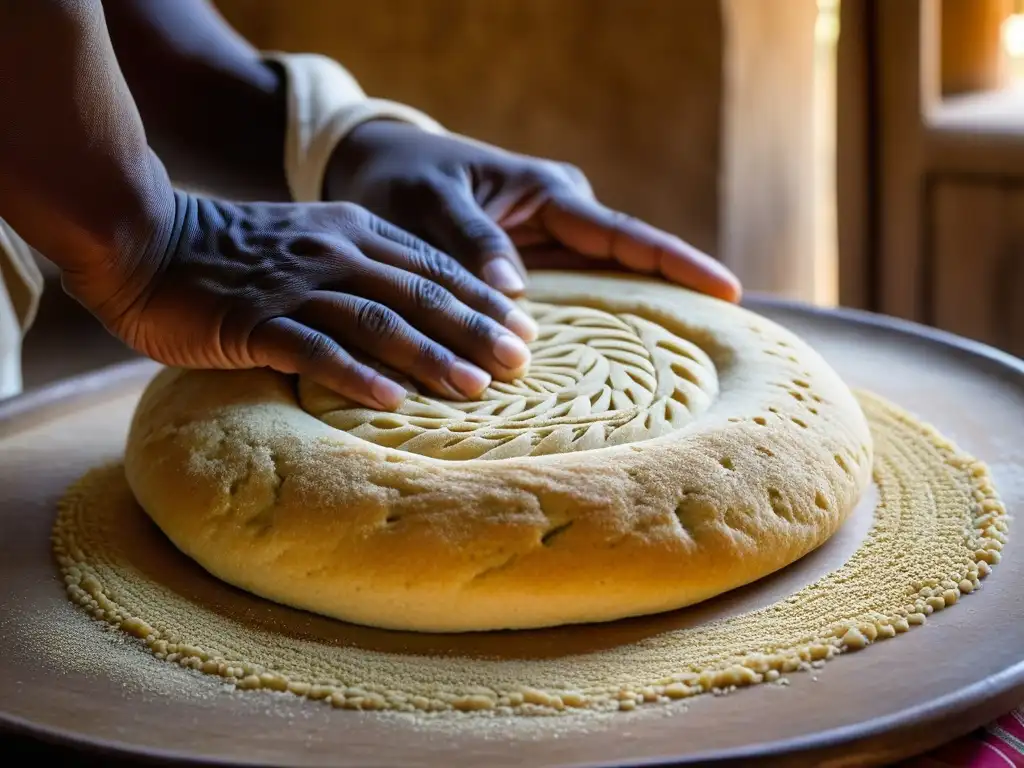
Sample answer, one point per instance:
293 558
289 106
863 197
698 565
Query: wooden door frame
888 83
856 150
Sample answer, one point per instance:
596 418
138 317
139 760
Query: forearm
214 112
80 183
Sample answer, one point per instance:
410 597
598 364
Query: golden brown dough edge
275 502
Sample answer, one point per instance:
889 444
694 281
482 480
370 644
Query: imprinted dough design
596 379
664 447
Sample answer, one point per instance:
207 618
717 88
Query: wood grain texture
907 36
630 92
695 115
768 196
855 168
978 255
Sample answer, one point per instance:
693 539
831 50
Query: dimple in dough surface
665 447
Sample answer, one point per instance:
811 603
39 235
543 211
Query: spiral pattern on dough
596 379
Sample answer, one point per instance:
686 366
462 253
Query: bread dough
664 447
937 529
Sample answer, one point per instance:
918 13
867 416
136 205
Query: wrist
361 145
112 285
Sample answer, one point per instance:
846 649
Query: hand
305 289
481 204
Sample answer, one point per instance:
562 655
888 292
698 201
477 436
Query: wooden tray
894 699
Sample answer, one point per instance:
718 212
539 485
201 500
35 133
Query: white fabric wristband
21 285
325 104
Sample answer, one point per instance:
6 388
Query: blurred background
864 153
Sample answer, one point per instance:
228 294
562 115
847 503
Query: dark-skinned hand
482 204
308 289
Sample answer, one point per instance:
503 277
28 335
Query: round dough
664 447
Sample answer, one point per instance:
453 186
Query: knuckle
485 298
484 233
399 236
433 359
378 320
352 210
573 172
480 327
304 246
352 218
383 228
316 347
429 296
546 173
420 252
442 268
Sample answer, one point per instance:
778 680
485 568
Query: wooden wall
629 91
693 114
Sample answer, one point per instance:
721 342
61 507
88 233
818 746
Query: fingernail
521 324
511 351
468 379
386 392
449 392
728 287
502 276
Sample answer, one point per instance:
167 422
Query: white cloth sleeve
325 103
21 285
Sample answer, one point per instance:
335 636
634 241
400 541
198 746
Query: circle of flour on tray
937 529
664 447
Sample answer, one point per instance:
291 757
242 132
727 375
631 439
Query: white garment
325 103
21 285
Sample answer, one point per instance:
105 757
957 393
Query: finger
459 225
291 347
381 333
398 248
434 311
578 179
592 229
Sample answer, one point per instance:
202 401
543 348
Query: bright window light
1013 36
